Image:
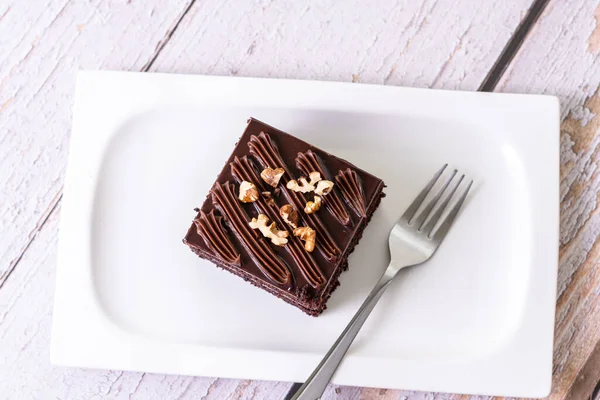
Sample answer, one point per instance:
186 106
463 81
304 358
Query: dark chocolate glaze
243 170
303 279
308 162
210 228
349 183
262 148
257 248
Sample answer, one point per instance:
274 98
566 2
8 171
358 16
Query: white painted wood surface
561 58
429 43
443 44
43 43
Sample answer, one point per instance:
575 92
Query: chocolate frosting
211 230
225 236
308 162
225 200
243 170
352 190
262 148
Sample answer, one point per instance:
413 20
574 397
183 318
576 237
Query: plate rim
83 336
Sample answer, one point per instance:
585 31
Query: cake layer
222 231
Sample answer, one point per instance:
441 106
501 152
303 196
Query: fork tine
420 219
447 223
428 228
412 209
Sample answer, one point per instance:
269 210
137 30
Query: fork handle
316 383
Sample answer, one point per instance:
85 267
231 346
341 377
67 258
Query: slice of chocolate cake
285 216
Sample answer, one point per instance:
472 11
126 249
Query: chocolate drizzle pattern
352 190
308 162
268 266
273 267
263 149
243 170
210 229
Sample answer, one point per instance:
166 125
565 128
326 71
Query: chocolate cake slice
285 216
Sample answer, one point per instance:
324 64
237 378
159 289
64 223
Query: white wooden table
449 44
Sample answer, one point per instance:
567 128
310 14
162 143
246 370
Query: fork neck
390 272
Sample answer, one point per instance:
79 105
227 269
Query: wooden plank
587 379
513 45
443 44
561 57
42 44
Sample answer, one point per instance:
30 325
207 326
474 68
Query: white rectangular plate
145 149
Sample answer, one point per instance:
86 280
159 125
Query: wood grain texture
442 44
42 45
587 379
561 57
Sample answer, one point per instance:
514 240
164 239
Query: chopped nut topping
324 187
304 186
289 215
313 206
269 231
314 177
308 235
248 192
269 197
272 176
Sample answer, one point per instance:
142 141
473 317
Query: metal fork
413 240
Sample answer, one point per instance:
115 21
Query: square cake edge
310 304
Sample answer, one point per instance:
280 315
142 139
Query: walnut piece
308 235
313 206
289 215
304 186
269 231
269 197
324 187
314 177
272 176
248 192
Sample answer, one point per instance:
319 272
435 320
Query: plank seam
512 46
162 43
32 237
53 206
